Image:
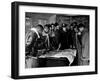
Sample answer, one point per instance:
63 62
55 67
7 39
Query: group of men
50 37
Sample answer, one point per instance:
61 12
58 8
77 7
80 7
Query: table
69 54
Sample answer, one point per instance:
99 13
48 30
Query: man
32 37
31 46
75 30
83 37
46 33
57 34
72 35
53 40
63 38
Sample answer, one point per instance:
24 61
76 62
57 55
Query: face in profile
46 29
39 29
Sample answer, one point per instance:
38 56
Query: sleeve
85 43
29 38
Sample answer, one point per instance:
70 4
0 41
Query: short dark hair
56 24
47 25
52 24
81 25
40 26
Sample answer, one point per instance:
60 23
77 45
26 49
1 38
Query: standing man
71 36
53 42
63 38
46 33
83 37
